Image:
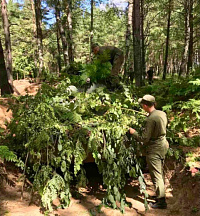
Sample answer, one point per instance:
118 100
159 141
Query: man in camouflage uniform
112 54
150 75
154 139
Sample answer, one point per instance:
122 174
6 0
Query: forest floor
182 186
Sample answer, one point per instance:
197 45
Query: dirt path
84 204
182 193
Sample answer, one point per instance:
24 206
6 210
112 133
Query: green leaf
63 166
59 147
112 200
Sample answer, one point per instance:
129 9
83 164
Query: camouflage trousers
117 65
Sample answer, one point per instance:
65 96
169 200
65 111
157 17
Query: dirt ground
182 193
182 187
22 87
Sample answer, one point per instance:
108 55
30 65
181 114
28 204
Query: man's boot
153 197
159 204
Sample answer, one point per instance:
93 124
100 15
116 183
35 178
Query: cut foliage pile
54 131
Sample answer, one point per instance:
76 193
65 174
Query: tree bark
187 38
38 18
8 50
128 39
62 33
68 9
191 40
34 33
5 86
167 40
33 18
91 26
59 53
142 42
137 44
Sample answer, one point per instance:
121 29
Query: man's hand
131 130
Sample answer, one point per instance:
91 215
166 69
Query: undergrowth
180 99
57 128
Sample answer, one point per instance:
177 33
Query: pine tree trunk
33 18
160 64
68 9
190 48
167 40
183 69
8 50
142 42
91 26
62 33
59 52
34 34
127 62
38 17
137 44
5 86
197 51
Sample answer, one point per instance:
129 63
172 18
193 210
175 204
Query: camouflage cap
147 98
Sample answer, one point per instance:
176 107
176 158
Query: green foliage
186 118
180 99
10 156
197 159
59 129
109 29
57 185
22 39
171 91
97 72
6 154
194 210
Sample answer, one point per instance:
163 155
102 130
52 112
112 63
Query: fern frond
73 117
55 187
6 154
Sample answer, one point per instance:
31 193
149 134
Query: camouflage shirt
109 53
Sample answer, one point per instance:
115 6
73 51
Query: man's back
158 120
111 52
150 72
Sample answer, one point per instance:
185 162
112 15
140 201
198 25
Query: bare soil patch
182 193
26 86
84 202
22 87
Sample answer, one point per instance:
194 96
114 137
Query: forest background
167 34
